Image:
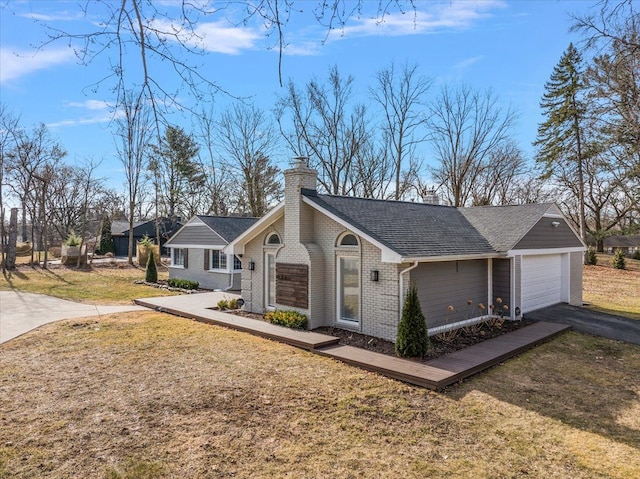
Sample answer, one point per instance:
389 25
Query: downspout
400 280
231 273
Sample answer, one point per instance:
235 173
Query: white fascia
236 247
519 252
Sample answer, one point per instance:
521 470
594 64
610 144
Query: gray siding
575 271
196 272
545 235
197 235
451 283
502 283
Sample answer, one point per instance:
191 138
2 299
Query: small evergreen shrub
618 260
592 259
183 283
290 319
73 239
151 273
106 240
636 254
412 340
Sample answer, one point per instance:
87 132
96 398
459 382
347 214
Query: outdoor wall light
375 274
555 224
252 265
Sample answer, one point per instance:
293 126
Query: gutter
401 289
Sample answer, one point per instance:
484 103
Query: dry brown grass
102 285
613 290
150 395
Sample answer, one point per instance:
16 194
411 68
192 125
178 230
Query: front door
349 289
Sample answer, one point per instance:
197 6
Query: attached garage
543 282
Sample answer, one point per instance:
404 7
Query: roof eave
237 245
451 257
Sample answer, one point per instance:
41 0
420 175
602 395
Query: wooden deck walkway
436 374
451 368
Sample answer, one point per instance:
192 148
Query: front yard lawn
612 290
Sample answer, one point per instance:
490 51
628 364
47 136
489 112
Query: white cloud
433 17
215 37
90 104
16 64
467 62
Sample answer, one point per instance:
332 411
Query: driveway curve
22 312
591 322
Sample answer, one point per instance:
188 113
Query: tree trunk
13 240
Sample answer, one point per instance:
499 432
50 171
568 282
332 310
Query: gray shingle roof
504 226
410 229
229 227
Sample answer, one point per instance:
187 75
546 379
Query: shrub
636 254
106 240
183 283
592 259
290 319
73 239
151 273
223 304
412 339
618 261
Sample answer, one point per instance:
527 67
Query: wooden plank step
294 337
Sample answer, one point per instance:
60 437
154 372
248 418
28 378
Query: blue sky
510 46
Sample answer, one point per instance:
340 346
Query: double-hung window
218 260
178 257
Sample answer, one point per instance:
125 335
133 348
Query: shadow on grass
583 381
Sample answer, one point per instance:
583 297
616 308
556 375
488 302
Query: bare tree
494 185
31 153
466 128
9 124
607 23
217 178
401 94
247 140
134 132
326 128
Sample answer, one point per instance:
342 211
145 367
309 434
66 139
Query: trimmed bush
592 259
290 319
183 283
636 254
151 274
618 261
412 340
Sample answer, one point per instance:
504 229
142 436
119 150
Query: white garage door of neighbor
541 281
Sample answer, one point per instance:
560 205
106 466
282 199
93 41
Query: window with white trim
177 257
218 260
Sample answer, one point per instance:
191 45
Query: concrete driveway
591 322
21 312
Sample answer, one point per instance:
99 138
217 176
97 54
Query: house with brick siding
196 251
347 262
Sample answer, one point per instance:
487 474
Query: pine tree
412 339
560 136
151 273
106 240
618 261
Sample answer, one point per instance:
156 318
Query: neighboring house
120 233
347 262
197 254
627 243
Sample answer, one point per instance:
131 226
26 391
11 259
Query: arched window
348 239
272 240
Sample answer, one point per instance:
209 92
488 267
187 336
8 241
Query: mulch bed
466 337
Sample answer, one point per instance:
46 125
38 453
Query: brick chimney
299 176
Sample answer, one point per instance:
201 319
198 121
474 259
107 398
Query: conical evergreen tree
106 240
560 136
412 339
151 273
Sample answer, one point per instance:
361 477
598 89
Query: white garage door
541 281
